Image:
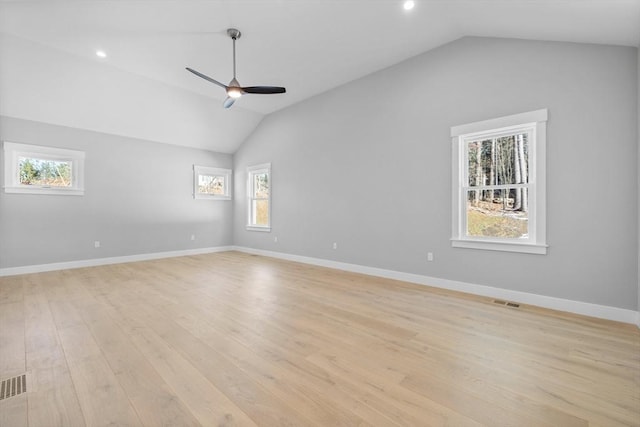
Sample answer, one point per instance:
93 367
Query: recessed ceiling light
101 54
409 4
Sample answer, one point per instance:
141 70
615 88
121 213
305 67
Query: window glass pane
499 161
52 173
261 185
498 213
211 184
260 210
480 162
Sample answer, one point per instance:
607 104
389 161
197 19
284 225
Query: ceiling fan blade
207 78
228 102
265 90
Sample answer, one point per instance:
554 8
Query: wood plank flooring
232 339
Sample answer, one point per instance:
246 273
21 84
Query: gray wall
138 199
393 126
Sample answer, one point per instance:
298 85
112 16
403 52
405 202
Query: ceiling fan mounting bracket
234 33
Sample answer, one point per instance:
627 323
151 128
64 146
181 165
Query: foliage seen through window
48 173
208 184
497 193
261 199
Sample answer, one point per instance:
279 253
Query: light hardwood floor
234 339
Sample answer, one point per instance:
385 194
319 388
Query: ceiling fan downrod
235 35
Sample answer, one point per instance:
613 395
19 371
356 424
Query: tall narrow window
34 169
259 197
499 183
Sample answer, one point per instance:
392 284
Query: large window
211 183
43 170
259 197
499 183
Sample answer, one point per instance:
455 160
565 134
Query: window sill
44 190
258 228
526 248
209 197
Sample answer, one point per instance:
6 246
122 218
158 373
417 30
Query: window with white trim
34 169
499 184
211 183
259 197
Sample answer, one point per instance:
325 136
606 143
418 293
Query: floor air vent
13 386
506 303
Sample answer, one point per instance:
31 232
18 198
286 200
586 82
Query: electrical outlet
193 237
335 245
275 239
96 244
429 256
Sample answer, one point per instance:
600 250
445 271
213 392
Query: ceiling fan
233 89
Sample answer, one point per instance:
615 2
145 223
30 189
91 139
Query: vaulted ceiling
308 46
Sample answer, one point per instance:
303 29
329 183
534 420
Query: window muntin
259 197
499 183
43 170
211 183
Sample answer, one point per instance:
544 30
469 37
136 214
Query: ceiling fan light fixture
234 92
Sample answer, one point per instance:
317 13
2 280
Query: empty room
319 213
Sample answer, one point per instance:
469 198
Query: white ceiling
308 46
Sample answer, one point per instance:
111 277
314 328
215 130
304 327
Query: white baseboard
577 307
27 269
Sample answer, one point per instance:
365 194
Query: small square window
211 183
33 169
